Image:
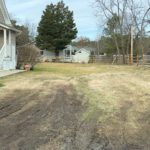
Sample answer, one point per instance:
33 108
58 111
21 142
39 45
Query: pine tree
56 28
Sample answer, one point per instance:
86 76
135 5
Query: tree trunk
56 53
117 46
123 49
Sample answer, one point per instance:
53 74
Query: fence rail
140 60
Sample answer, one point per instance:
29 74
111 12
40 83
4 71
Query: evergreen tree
56 28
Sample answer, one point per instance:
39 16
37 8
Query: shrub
28 54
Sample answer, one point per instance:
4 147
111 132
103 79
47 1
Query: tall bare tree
130 13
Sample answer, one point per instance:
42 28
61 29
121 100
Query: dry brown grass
117 100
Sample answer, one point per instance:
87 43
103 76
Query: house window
42 52
74 52
68 53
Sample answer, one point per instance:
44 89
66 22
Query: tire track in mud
55 118
52 122
15 102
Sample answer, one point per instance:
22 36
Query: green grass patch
68 69
63 69
97 103
1 84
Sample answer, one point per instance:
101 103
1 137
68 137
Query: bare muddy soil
29 123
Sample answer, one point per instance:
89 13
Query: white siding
82 56
8 54
9 61
50 55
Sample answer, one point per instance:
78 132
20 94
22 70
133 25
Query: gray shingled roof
4 16
1 17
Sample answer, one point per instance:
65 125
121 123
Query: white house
64 56
7 40
76 55
50 56
81 56
69 54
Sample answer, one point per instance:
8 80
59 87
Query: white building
81 56
49 56
7 40
64 56
76 55
69 52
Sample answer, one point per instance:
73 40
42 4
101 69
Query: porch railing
2 55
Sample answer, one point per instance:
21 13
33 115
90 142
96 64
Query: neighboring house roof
83 49
4 17
72 48
90 49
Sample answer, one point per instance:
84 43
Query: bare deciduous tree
131 14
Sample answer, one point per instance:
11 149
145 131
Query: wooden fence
140 60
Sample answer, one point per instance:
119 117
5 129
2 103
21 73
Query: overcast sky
31 10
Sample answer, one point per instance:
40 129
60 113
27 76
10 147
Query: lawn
76 107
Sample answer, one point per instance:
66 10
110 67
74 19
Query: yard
76 107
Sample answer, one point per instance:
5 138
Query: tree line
120 18
56 29
124 21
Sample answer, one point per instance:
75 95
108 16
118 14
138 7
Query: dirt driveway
43 116
46 111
